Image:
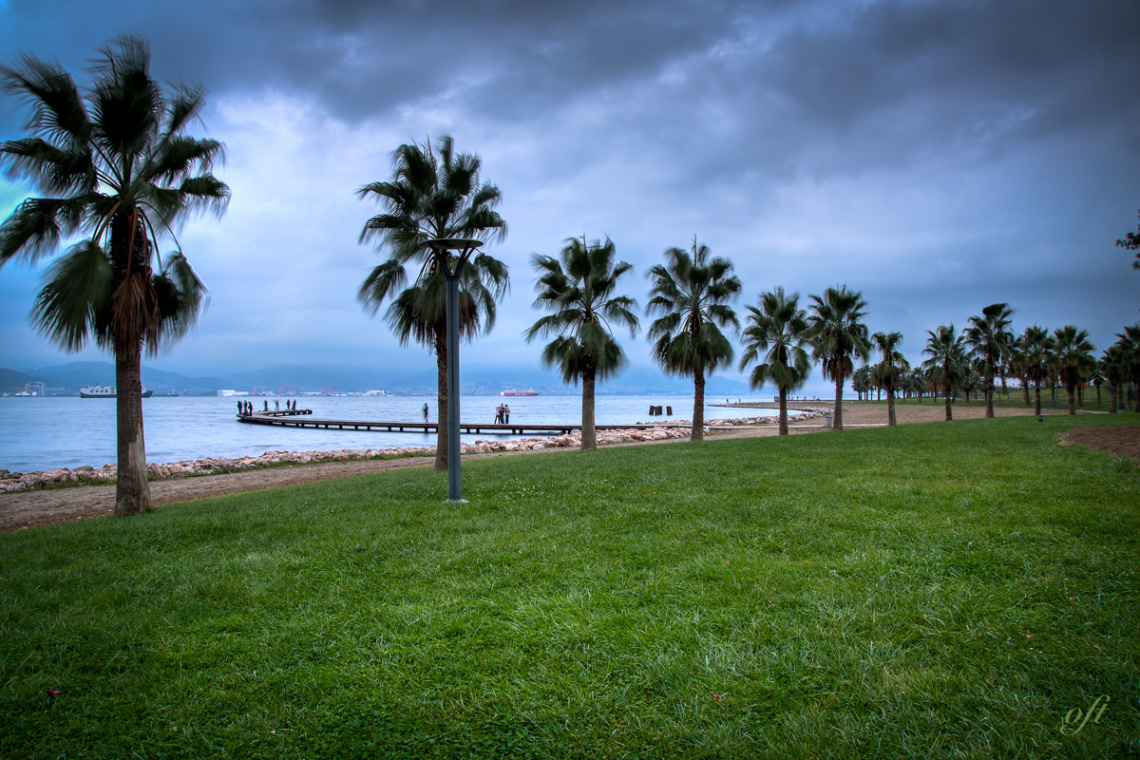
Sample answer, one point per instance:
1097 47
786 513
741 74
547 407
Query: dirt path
33 508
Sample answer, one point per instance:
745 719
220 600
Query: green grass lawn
942 590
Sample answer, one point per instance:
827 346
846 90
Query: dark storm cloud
880 84
921 150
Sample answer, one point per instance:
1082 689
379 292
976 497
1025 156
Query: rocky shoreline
86 475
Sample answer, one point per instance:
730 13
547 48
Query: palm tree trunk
589 433
698 432
837 424
1025 387
1037 395
989 398
132 491
949 411
1072 398
441 400
1112 398
891 420
134 317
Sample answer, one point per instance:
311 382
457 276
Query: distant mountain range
67 379
475 379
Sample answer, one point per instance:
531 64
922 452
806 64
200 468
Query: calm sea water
46 433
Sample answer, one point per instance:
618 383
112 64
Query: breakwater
105 475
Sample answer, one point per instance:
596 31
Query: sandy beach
27 509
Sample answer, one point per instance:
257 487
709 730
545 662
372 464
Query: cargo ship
105 391
519 393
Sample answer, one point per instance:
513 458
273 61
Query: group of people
502 414
245 408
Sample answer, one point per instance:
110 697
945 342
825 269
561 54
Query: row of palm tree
437 193
691 293
1064 356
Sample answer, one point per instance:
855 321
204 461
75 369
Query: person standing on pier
506 414
425 412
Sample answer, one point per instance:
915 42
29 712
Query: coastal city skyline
937 159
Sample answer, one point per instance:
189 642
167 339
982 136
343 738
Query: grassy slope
928 590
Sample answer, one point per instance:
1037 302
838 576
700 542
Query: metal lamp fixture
453 268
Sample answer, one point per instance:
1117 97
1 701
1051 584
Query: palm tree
1075 360
861 382
838 336
1096 379
916 382
947 365
1039 346
118 170
434 193
579 289
1130 341
779 330
691 292
1114 368
889 373
1017 364
1131 241
990 339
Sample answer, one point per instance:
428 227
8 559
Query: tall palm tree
779 330
888 374
691 292
990 340
948 365
1075 360
117 171
434 193
578 288
1039 346
838 337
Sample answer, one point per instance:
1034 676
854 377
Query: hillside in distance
475 379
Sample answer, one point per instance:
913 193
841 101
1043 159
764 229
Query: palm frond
52 169
75 293
181 297
49 92
33 230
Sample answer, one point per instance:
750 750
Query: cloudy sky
936 156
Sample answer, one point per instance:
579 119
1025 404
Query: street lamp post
453 269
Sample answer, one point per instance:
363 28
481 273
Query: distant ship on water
105 391
519 393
